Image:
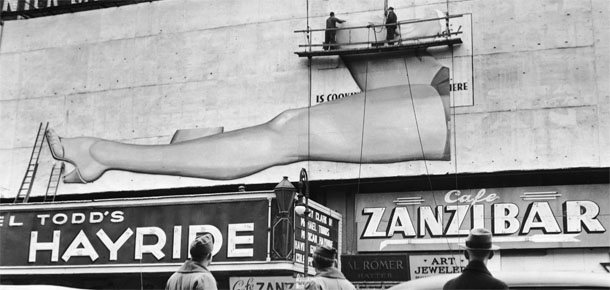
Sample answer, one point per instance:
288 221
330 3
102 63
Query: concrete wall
137 73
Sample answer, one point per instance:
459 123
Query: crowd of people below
194 273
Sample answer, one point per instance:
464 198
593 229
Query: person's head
324 257
332 14
391 8
478 245
201 248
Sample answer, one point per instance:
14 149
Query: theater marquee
519 217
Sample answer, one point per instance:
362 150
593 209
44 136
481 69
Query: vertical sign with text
317 228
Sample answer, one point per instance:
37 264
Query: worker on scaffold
331 33
390 25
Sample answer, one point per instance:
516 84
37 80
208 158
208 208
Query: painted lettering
242 240
429 221
80 247
13 223
582 213
539 215
370 229
400 222
448 220
52 246
455 196
113 247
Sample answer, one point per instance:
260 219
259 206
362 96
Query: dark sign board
132 232
37 8
382 267
323 229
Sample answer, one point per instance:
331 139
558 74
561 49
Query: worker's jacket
191 276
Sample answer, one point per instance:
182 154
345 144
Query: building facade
412 145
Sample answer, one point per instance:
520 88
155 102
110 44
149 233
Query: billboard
575 216
35 8
364 119
154 234
125 234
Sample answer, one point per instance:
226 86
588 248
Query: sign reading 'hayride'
126 232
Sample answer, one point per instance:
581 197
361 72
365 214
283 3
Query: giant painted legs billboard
398 112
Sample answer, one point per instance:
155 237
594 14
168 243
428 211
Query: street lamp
284 193
302 209
282 226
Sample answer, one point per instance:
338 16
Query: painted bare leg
77 152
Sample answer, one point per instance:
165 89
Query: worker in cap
327 275
331 33
194 273
478 250
390 25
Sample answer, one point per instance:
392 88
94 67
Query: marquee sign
323 228
525 217
33 8
140 232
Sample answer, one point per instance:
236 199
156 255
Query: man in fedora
476 276
194 274
327 275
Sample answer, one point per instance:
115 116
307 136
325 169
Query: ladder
26 185
54 179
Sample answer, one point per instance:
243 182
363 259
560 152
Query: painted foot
74 177
54 141
76 151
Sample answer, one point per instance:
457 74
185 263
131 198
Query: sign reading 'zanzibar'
526 217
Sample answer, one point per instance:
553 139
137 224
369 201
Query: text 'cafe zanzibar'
538 226
126 243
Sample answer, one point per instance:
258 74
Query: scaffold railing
351 40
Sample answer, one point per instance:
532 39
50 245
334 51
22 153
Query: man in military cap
194 274
327 275
479 250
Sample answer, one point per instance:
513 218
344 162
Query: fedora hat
479 239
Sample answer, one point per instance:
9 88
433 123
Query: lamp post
282 227
303 210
